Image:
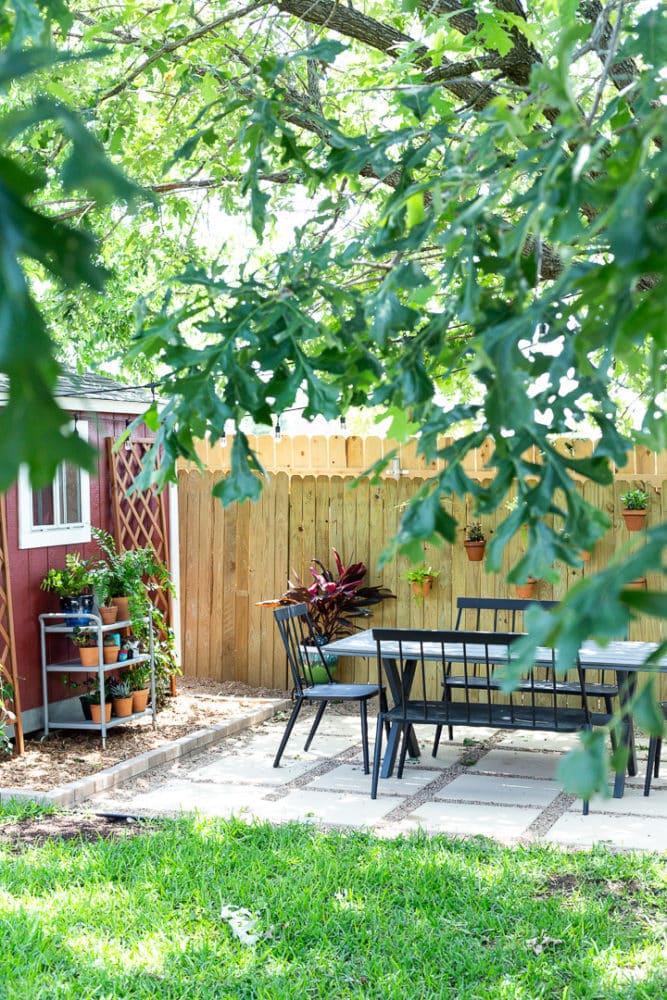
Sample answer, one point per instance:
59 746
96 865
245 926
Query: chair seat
340 692
562 687
440 713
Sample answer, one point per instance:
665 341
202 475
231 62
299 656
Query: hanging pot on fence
526 590
475 550
634 519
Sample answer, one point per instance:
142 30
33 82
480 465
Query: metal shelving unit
54 624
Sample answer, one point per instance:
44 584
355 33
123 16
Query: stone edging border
78 791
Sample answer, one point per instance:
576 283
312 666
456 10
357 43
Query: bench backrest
482 696
495 614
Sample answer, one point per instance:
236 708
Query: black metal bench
412 655
506 615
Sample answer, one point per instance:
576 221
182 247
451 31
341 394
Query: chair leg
316 722
377 754
364 734
404 750
652 764
612 732
436 741
290 726
658 748
384 708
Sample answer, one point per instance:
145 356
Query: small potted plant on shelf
421 578
111 647
138 677
126 578
96 706
84 699
121 697
86 643
475 541
73 585
634 512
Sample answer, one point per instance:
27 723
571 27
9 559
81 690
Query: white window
58 514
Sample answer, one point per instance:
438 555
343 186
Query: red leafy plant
334 601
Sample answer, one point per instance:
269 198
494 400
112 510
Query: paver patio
498 784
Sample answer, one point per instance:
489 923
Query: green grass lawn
339 915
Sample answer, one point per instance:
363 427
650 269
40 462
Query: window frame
33 536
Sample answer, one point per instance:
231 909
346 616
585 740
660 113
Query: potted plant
73 585
121 697
421 578
475 541
86 643
333 600
126 578
84 699
526 590
138 677
111 647
634 512
96 707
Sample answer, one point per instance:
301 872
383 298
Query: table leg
397 693
627 683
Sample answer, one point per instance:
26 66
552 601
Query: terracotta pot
584 555
526 590
123 613
96 712
140 700
123 707
108 614
634 519
88 656
638 584
420 588
110 653
475 550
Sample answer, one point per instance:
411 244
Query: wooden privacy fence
349 454
231 559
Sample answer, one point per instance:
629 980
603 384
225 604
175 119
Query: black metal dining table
625 657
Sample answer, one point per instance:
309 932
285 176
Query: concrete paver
480 784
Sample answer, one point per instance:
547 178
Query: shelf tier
92 627
97 726
75 667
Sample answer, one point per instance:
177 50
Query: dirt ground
65 755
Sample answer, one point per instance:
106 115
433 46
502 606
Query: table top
619 655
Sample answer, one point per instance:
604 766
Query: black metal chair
653 763
296 631
479 699
494 614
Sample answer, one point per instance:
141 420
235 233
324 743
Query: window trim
44 536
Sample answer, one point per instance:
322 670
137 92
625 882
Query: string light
128 443
223 438
343 422
277 432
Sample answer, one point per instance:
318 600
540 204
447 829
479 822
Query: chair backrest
303 652
494 614
422 657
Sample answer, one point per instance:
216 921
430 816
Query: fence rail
348 454
231 559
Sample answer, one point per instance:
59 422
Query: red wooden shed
39 527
